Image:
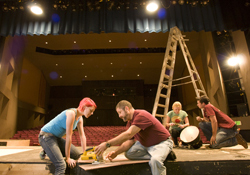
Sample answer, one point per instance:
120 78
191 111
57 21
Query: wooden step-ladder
167 72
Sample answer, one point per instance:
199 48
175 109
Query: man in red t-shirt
219 128
145 138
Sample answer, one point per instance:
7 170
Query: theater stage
24 160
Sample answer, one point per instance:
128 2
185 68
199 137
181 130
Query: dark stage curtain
84 17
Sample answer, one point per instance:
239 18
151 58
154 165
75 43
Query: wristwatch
108 144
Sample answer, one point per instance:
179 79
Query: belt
42 133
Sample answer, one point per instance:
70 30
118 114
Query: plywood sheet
11 142
119 160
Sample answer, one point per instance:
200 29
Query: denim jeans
224 138
156 154
175 134
55 150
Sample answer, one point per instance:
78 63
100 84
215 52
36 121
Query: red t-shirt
222 119
152 131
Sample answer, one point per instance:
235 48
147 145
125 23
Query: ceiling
71 70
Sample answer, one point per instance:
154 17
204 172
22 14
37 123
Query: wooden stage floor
24 160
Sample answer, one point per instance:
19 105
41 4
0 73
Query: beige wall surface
29 83
243 53
9 77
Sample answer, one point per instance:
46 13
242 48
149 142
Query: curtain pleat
218 15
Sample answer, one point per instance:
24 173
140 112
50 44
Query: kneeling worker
145 138
219 128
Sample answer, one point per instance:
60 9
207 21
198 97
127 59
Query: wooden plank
11 142
118 161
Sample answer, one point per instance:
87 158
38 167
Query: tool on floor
90 154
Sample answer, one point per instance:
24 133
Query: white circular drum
191 135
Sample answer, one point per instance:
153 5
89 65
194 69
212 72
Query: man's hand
71 162
111 155
213 140
171 124
101 148
198 118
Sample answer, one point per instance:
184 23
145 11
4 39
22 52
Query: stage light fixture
36 9
152 6
193 3
233 61
181 2
174 2
204 2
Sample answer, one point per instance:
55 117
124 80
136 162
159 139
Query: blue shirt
57 126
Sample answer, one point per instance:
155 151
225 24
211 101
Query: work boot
42 155
171 156
241 140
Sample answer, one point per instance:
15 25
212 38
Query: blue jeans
156 154
224 138
55 150
175 134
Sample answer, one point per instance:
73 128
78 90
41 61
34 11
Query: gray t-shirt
177 119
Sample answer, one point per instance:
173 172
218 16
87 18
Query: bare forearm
124 147
120 138
67 147
83 142
214 127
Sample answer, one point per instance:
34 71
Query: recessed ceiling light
140 62
145 40
138 75
82 64
112 75
110 41
86 76
60 76
56 64
46 42
111 63
74 41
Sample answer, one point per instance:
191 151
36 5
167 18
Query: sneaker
42 155
241 140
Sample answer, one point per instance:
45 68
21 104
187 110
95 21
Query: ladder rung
166 76
170 57
200 90
174 37
193 71
164 86
163 96
161 105
159 115
172 49
168 67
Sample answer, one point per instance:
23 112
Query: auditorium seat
94 135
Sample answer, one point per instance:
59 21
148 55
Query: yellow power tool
90 154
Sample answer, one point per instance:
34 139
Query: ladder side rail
171 74
169 90
194 69
189 68
163 71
